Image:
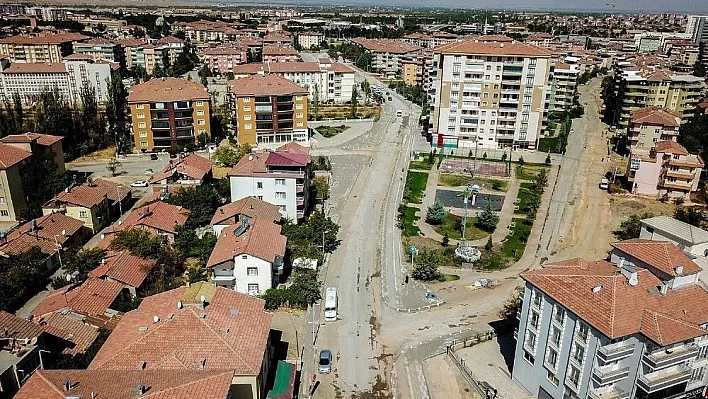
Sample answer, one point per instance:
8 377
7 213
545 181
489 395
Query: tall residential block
168 112
489 94
39 48
268 110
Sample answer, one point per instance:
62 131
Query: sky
635 6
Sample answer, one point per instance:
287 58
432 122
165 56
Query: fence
482 387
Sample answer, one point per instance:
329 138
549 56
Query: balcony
299 188
665 358
223 278
612 393
681 174
677 185
662 379
609 375
616 351
300 202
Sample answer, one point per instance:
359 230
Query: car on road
604 184
399 113
139 183
153 157
324 366
149 172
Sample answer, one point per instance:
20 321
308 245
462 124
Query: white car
604 184
139 183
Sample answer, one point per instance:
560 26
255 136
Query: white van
330 307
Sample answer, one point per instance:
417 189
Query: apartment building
308 39
222 59
387 54
136 53
540 39
29 80
330 81
204 31
489 94
415 68
268 110
430 41
168 112
667 168
280 177
637 88
228 331
688 238
248 256
650 125
278 53
279 38
697 28
16 172
170 45
44 144
51 48
564 86
100 49
245 208
631 327
159 218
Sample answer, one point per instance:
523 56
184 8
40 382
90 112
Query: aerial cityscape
362 200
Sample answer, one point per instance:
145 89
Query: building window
247 99
579 353
139 106
574 376
298 98
200 112
298 124
4 212
559 315
528 357
252 271
2 200
583 331
247 126
253 289
247 108
143 143
143 134
552 378
201 122
142 125
298 115
247 117
555 336
83 214
202 131
279 182
534 320
552 358
259 185
141 115
280 195
199 104
298 106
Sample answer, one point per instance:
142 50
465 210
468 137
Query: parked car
325 364
139 183
604 184
149 172
153 157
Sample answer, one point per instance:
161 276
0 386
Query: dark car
153 157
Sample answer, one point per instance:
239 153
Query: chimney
250 157
620 263
664 288
179 304
67 384
679 270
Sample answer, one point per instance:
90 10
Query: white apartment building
278 177
69 76
697 28
248 256
332 81
489 94
307 40
564 85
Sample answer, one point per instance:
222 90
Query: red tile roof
121 384
261 239
50 230
386 46
274 49
265 85
661 255
167 90
12 326
231 333
92 298
294 148
495 38
36 67
248 206
158 215
125 268
56 38
69 329
168 40
250 164
492 48
671 147
193 165
618 309
41 139
656 116
281 158
11 155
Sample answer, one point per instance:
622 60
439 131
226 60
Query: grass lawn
453 226
409 227
515 242
452 180
415 186
421 165
546 144
528 172
523 198
331 131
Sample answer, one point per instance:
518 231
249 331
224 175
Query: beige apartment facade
40 48
169 112
489 94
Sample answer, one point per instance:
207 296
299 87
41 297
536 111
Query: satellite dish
633 281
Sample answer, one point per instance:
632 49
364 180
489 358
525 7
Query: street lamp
120 202
58 247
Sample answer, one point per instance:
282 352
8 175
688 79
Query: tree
489 245
307 237
191 246
521 162
436 213
201 201
426 266
21 277
512 305
83 261
316 101
117 114
366 88
94 126
445 240
321 187
229 156
354 102
139 242
690 215
487 220
632 226
113 165
548 159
